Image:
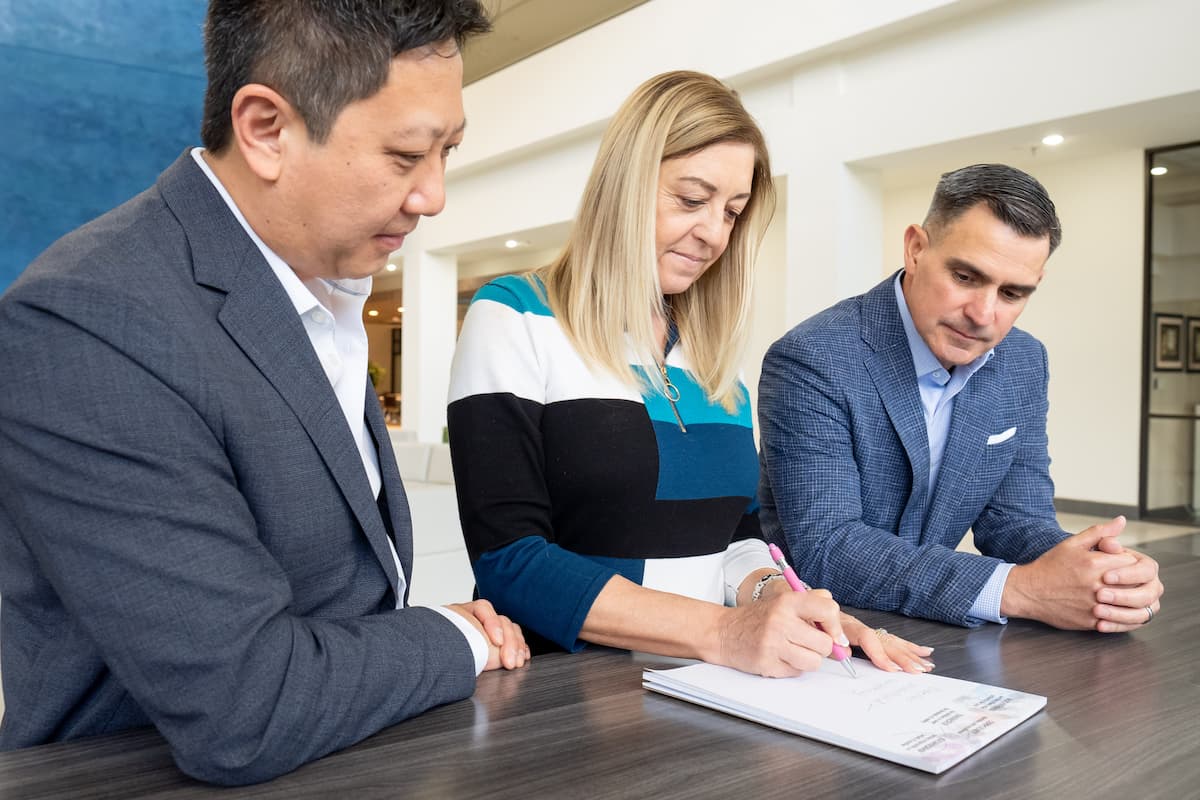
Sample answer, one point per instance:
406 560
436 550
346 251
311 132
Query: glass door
1170 479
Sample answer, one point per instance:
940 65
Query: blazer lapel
259 316
890 365
970 425
397 498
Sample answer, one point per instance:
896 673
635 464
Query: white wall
853 95
1088 313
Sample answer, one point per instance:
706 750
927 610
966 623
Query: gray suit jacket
187 535
845 454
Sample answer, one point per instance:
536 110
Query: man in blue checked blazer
895 421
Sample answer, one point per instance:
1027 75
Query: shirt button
318 316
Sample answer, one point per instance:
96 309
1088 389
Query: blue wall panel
96 98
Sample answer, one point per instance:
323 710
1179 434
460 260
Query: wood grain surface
1122 720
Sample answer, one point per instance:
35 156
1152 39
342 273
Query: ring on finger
1149 615
882 632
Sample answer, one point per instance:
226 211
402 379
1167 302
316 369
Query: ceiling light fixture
511 243
391 267
1156 171
400 309
373 313
1052 139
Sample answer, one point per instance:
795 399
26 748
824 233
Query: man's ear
263 126
916 242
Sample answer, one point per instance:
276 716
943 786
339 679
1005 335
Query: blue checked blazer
845 456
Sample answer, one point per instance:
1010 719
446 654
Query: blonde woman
600 435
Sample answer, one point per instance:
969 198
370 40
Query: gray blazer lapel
970 425
891 368
397 498
260 317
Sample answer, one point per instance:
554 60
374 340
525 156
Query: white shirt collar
298 291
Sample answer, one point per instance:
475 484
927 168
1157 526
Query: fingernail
843 641
927 664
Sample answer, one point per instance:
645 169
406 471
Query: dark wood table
1123 720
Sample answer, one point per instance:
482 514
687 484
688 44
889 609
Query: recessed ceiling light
373 313
395 319
511 243
1052 140
391 267
1158 170
400 309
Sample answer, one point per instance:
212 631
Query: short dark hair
1015 197
321 55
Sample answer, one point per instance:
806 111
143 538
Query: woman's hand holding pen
776 636
886 650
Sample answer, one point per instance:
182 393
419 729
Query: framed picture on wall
1169 342
1193 344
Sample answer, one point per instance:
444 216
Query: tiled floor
1137 532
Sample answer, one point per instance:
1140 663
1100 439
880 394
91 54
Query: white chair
413 460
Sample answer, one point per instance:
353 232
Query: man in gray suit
895 421
205 530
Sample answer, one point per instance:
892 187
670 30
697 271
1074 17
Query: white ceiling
521 28
1156 123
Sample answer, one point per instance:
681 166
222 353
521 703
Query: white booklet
929 722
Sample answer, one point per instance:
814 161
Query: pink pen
840 653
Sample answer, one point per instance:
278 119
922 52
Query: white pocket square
997 438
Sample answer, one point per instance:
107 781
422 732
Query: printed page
929 722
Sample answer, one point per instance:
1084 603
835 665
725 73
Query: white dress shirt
331 312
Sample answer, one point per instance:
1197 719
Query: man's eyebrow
967 266
708 187
432 132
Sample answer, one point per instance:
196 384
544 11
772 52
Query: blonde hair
604 285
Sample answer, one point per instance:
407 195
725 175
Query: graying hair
1014 197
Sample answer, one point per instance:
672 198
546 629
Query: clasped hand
506 642
1086 582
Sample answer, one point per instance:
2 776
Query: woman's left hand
886 650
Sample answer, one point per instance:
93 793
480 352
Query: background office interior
864 104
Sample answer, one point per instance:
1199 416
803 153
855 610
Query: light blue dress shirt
939 387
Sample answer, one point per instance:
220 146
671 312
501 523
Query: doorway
1170 473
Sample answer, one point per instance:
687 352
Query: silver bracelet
762 584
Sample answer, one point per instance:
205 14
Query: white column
834 211
430 327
